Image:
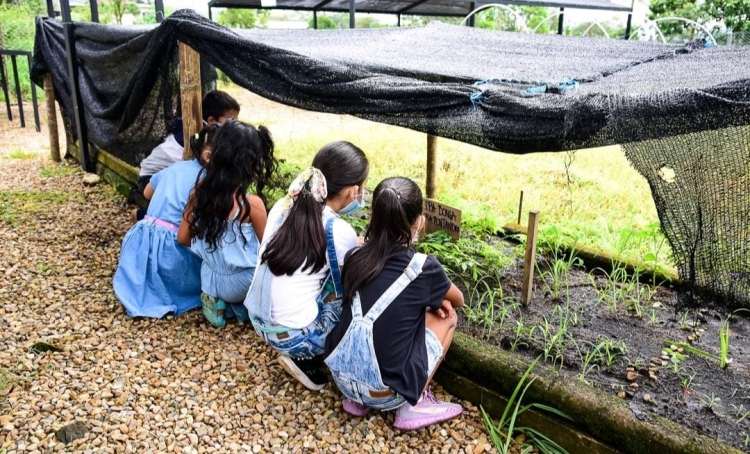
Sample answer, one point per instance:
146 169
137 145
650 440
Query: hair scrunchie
318 188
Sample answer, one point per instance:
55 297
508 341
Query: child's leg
443 328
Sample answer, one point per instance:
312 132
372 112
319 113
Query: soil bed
618 337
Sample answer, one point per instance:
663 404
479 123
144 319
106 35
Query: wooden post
190 95
528 264
49 95
520 207
431 166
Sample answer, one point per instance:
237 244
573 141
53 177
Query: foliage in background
17 25
244 18
715 14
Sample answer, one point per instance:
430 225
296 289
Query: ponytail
300 242
396 205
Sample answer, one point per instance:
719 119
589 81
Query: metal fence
14 54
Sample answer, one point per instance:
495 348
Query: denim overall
353 363
302 343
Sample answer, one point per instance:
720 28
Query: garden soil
637 362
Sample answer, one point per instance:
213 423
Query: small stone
91 179
634 386
71 432
193 439
632 375
647 397
621 394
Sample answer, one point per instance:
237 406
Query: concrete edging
603 416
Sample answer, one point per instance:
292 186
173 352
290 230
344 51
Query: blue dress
227 271
156 275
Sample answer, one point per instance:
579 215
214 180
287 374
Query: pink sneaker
355 409
428 411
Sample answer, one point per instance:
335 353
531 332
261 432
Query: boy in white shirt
217 107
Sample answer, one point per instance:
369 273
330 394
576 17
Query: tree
714 14
675 8
522 16
324 23
243 18
368 22
735 14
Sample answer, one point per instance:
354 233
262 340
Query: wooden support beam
190 95
431 166
527 285
54 140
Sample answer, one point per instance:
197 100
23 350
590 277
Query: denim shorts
387 399
309 341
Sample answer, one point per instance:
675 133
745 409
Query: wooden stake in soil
528 264
49 96
520 208
190 95
431 166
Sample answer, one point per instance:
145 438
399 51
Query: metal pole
94 11
75 95
14 63
352 13
34 100
730 35
49 96
159 6
628 26
472 7
560 21
315 20
4 79
399 19
50 9
210 15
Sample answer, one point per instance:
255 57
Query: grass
598 199
18 205
501 433
58 170
20 154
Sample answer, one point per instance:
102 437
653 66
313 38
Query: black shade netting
516 93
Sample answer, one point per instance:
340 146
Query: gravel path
171 385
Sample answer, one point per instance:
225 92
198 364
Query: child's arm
455 296
148 191
258 215
183 234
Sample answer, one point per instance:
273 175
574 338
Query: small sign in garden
442 217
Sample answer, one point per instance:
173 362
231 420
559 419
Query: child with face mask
294 300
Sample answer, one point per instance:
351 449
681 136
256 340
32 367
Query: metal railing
14 54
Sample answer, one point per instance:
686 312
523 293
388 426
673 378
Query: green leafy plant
590 360
501 433
556 276
724 334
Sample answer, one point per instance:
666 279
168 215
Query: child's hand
446 310
360 241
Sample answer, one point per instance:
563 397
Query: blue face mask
357 203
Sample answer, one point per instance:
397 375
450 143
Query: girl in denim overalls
294 300
398 318
223 224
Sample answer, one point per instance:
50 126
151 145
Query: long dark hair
301 239
202 140
396 205
241 155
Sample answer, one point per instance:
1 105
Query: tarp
681 111
427 78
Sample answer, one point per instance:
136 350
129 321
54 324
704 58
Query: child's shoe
213 310
428 411
309 372
355 409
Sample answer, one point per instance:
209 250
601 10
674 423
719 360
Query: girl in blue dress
223 224
156 275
